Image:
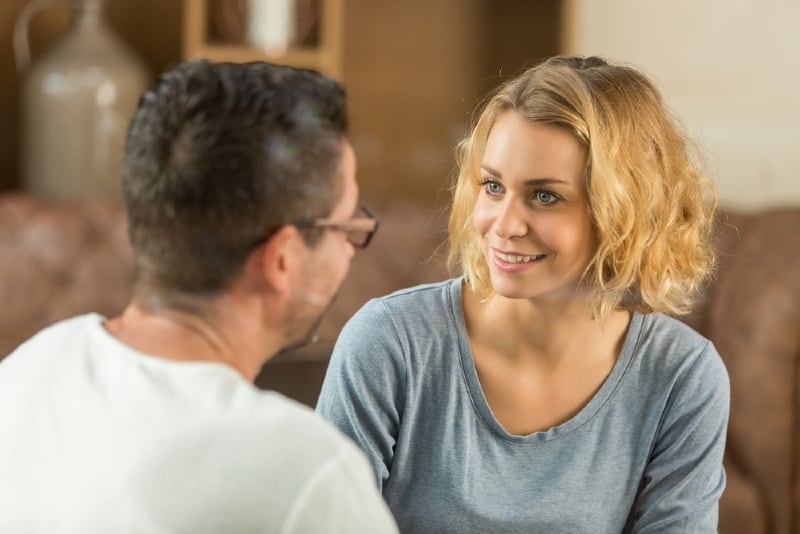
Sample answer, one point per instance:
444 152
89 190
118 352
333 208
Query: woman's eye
546 197
491 187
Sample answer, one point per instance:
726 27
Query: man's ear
280 257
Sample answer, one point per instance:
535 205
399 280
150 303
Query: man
243 215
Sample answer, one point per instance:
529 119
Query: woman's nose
510 222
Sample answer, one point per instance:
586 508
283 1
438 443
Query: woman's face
532 213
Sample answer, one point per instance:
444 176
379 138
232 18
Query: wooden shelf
325 57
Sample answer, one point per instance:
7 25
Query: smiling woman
559 395
532 214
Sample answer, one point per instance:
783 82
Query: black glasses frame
367 225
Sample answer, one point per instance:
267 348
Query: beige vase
77 101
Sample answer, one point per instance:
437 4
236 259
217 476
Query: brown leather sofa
752 314
61 259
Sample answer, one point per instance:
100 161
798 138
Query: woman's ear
279 258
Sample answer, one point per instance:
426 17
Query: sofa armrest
752 315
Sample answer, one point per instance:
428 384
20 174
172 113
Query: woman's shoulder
660 325
671 347
427 310
434 290
417 299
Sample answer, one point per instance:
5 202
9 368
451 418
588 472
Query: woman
546 389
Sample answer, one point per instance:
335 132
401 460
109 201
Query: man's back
101 438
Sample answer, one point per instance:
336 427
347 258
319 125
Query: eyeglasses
359 229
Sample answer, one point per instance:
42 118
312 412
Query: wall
729 70
416 69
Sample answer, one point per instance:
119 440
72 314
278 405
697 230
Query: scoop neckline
589 411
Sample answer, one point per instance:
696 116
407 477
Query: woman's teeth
511 258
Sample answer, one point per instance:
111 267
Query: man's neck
218 333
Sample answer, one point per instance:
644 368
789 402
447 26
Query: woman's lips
510 262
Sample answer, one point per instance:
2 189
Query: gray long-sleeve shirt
644 455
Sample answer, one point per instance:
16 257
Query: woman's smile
512 263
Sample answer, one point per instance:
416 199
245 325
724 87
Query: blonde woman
546 389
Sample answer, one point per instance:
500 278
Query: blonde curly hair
651 206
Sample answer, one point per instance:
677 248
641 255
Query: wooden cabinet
216 30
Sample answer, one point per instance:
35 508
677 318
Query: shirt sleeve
340 498
684 478
364 387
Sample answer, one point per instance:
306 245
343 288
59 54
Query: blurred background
416 69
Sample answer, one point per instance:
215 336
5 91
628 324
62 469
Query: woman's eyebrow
490 170
545 181
529 182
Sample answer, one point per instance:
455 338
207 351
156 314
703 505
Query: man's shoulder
278 437
66 335
285 421
70 328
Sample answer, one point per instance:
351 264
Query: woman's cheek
482 218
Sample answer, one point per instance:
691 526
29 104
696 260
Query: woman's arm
364 388
684 477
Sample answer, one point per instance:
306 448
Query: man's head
220 155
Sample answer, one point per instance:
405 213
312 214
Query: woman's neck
548 333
